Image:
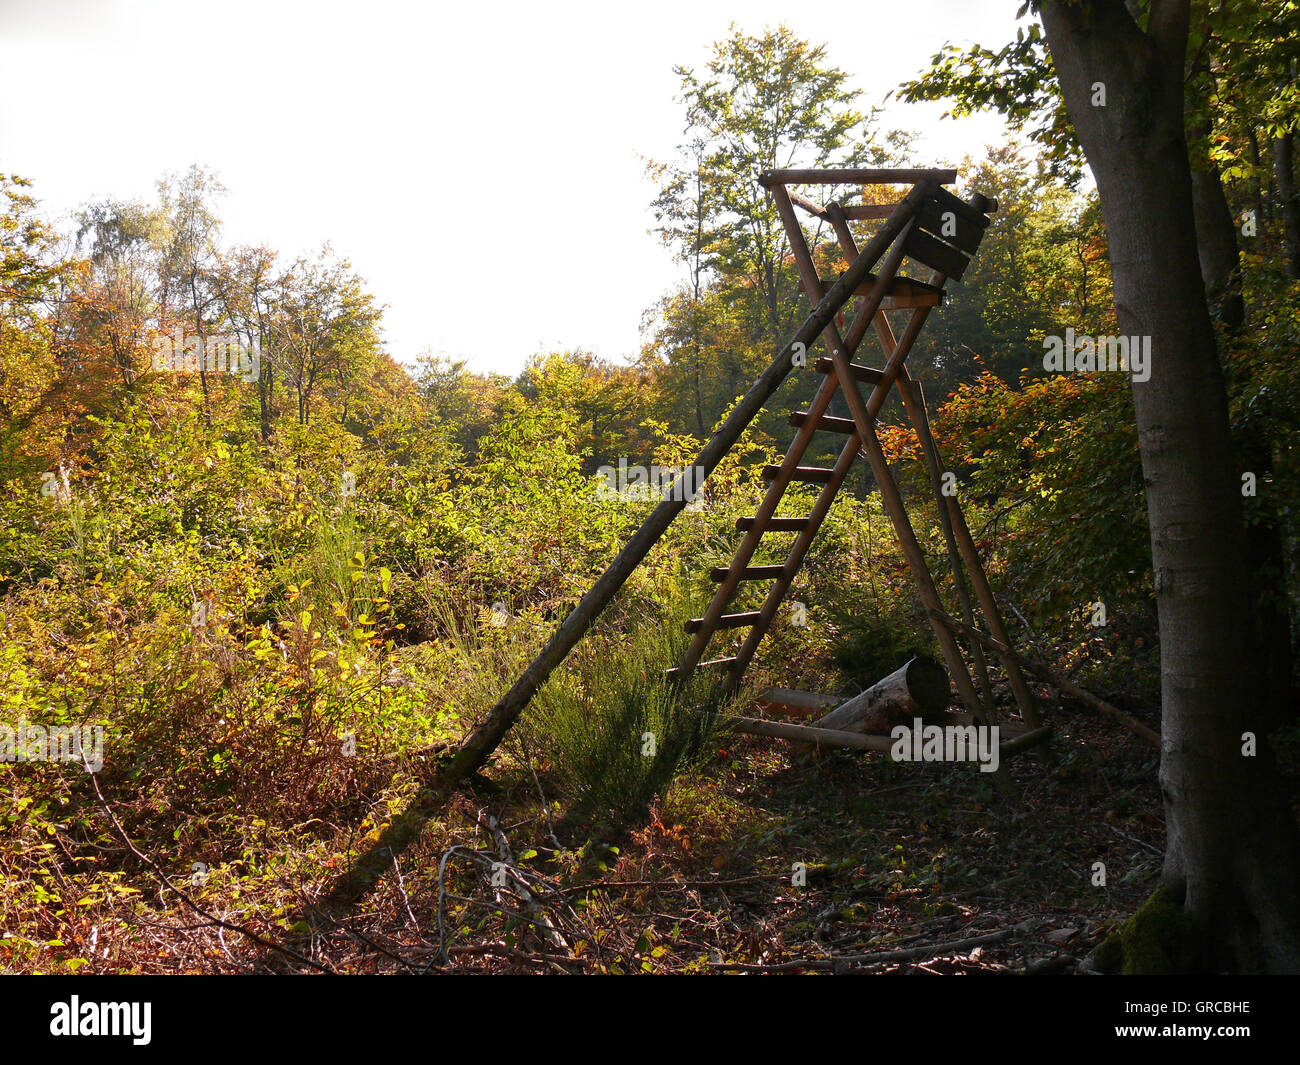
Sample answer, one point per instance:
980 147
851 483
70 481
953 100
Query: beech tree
325 326
1232 853
1132 88
760 102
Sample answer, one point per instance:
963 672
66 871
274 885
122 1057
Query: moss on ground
1159 938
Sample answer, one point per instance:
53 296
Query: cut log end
917 689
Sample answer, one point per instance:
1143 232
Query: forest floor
905 868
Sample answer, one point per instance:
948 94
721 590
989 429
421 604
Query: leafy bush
868 647
1056 464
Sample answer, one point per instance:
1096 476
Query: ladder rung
750 573
775 524
825 423
727 621
862 373
712 663
811 474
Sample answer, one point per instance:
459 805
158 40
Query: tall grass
329 567
468 664
615 731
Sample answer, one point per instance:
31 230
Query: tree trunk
203 350
1232 852
1216 244
917 689
266 376
1284 168
265 383
1263 212
1266 550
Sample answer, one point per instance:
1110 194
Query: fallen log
792 703
809 738
917 689
809 735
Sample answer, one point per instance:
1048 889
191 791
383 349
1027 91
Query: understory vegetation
287 599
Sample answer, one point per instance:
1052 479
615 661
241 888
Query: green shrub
616 732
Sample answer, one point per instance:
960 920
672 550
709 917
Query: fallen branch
152 866
442 898
822 737
541 919
925 950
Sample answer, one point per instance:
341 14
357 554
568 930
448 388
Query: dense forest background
282 590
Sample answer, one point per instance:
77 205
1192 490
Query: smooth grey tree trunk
1216 240
1232 851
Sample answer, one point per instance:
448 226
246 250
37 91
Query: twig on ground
165 884
925 950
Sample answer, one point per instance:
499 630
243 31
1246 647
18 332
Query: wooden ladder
942 233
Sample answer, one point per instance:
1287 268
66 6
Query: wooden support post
807 205
821 737
911 548
983 590
912 402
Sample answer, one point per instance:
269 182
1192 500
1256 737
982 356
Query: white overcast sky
444 148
